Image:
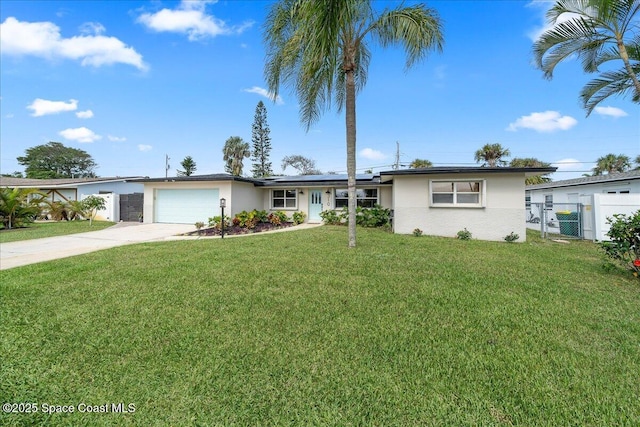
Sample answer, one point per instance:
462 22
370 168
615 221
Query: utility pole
396 166
167 166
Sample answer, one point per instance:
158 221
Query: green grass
38 230
296 329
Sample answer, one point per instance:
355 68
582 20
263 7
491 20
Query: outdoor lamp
223 204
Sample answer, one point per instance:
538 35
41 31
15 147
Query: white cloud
43 39
371 154
43 107
547 121
143 147
190 18
542 7
93 28
84 114
610 111
263 92
81 134
116 138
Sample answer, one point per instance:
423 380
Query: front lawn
296 329
38 230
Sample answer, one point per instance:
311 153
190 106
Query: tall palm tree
321 49
491 155
637 162
234 152
598 32
531 162
420 163
612 163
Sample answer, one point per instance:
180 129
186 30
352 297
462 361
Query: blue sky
133 81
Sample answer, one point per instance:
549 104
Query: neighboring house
115 190
595 197
489 202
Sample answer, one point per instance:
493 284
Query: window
457 193
527 202
284 199
548 202
366 197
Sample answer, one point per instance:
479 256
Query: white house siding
117 187
244 197
502 214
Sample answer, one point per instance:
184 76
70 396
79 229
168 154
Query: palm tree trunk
350 117
627 65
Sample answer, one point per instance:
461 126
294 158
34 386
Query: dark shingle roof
59 182
635 174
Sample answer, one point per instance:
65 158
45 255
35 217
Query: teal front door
315 205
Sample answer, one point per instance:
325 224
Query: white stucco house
489 202
595 198
113 189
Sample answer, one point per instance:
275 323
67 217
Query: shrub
19 206
216 222
511 237
624 247
278 217
332 217
464 234
298 217
199 226
417 232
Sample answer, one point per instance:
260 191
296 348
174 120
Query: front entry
315 205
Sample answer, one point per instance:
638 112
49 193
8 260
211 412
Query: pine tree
261 143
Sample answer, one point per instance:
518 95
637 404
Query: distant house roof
59 182
635 174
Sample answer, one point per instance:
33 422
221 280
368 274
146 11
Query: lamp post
223 204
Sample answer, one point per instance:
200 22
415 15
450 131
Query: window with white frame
467 193
365 197
284 199
548 202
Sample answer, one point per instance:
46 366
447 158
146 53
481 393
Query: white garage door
186 206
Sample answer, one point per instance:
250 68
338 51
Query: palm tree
599 32
420 163
531 162
234 151
612 164
19 206
637 162
491 155
321 49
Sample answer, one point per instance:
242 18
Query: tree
92 205
420 163
599 32
188 165
234 151
637 162
54 160
19 206
303 165
491 155
261 143
612 164
321 49
530 162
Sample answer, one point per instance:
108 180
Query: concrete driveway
16 254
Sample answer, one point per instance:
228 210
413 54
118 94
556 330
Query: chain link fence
557 220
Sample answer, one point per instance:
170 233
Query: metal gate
131 206
557 220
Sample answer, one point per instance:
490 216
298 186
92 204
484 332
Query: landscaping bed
235 230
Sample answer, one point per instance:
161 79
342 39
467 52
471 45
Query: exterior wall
149 194
109 187
503 211
244 197
568 194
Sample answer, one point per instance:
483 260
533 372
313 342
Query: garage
186 206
